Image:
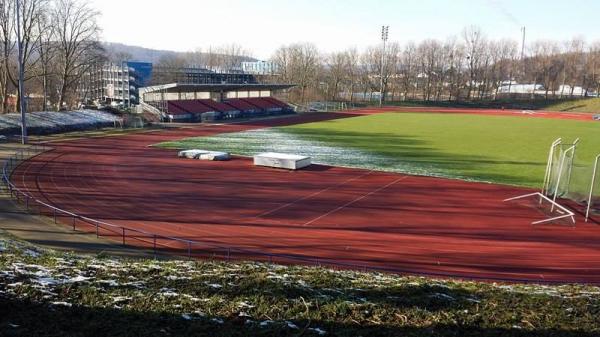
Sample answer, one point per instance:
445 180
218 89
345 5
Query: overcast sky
261 26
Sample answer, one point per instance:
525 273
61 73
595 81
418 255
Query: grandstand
210 102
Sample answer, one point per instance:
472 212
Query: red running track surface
394 222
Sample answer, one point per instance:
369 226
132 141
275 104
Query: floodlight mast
22 104
523 50
384 37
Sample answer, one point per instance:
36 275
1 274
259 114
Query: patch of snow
291 325
96 266
319 331
244 304
473 300
31 253
217 320
266 323
135 284
63 304
302 283
442 296
167 292
119 299
109 283
45 281
177 278
214 285
78 279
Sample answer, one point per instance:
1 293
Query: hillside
45 293
142 54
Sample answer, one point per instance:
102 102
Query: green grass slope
581 105
46 293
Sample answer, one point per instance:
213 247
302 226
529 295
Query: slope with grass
581 105
498 149
45 293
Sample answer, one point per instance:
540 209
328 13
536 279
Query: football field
499 149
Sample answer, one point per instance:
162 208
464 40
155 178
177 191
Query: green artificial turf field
508 150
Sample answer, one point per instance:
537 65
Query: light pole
523 51
21 62
384 37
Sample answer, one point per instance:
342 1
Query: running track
395 222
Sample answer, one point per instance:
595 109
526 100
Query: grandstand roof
184 87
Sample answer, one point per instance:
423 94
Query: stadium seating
227 111
242 106
210 110
268 104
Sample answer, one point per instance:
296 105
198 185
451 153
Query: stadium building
196 102
260 68
115 84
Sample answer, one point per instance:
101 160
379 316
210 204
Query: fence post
73 223
97 231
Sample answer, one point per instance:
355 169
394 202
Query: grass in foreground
509 150
44 293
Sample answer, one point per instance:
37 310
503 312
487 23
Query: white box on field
204 155
282 160
191 154
214 155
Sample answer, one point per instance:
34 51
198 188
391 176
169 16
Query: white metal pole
384 37
589 205
21 74
572 163
548 174
562 164
523 44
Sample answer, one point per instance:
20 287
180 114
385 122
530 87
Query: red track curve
395 222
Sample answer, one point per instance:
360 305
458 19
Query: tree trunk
62 93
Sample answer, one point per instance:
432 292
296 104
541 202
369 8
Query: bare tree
337 71
7 40
47 53
353 67
475 48
299 64
77 43
31 12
